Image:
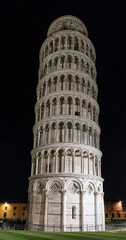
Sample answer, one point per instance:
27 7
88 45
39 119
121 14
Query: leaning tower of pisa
65 187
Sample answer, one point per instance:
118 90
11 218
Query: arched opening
62 105
53 133
91 164
42 111
96 166
48 109
91 53
44 89
77 83
41 136
83 108
77 161
62 82
82 65
76 44
69 106
77 107
89 111
51 47
55 63
62 61
69 82
69 132
60 160
36 138
69 61
56 45
87 68
69 42
85 159
54 106
50 66
84 134
47 134
82 46
61 132
83 85
77 133
45 162
88 88
87 50
68 161
39 163
45 69
90 137
92 72
55 84
95 139
76 61
93 92
38 114
52 165
62 44
94 113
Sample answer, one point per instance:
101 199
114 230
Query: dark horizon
23 30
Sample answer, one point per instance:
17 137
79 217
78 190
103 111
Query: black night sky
23 28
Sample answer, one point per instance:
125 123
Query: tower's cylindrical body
65 187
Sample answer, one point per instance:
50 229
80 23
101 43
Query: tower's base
66 204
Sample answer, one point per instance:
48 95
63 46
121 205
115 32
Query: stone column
46 90
94 173
48 163
36 166
32 167
43 140
73 162
82 211
40 112
74 134
51 108
45 210
64 210
33 210
56 162
50 132
38 136
96 211
44 110
41 163
99 168
103 212
64 162
82 163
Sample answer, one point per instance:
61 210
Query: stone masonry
65 186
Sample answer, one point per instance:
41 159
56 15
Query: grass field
26 235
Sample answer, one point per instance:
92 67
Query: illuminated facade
13 210
66 187
115 209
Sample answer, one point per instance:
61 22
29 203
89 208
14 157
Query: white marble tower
65 186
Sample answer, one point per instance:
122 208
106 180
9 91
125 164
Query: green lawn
26 235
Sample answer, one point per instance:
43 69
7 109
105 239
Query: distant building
114 209
13 210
